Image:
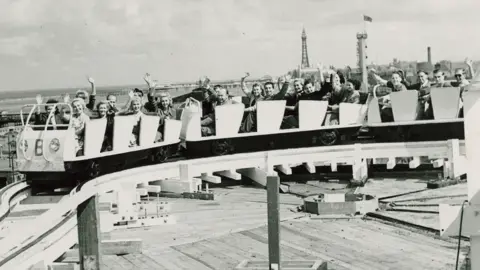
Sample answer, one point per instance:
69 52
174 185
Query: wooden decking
222 233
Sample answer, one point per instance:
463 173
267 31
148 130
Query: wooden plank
64 266
108 247
294 265
89 234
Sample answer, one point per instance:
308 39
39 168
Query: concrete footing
331 204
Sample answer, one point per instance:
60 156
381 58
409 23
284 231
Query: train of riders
423 86
84 108
334 89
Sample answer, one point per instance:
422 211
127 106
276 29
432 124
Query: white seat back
445 102
94 135
404 105
311 113
270 115
228 119
373 110
191 128
122 132
352 113
148 130
171 130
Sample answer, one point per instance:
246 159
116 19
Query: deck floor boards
221 234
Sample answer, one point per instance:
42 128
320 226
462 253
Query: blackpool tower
305 63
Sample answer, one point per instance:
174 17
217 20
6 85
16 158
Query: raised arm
469 63
320 69
377 78
244 84
126 107
285 82
93 94
151 104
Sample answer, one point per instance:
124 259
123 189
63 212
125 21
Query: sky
54 44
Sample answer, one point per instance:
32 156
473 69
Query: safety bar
27 126
375 90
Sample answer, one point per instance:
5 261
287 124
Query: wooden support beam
142 191
256 174
285 169
88 223
208 177
391 163
231 174
273 201
109 247
414 163
310 167
153 189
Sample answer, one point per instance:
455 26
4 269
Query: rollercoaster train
47 156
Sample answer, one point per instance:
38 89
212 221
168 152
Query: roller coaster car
406 110
311 132
46 153
358 123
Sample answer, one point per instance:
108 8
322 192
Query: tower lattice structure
305 62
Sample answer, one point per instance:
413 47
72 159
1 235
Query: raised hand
246 75
91 80
469 62
131 94
148 79
320 66
288 78
39 99
66 98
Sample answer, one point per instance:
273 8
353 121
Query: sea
12 101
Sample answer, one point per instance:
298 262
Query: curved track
55 230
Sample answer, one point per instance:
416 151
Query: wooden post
273 185
88 223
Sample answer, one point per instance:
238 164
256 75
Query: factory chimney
429 55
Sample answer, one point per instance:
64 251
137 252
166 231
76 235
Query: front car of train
42 145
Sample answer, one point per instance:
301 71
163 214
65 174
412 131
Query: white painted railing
23 239
7 194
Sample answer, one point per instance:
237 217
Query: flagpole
364 24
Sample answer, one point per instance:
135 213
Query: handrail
50 115
21 239
6 195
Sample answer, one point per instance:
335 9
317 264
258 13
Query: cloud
55 43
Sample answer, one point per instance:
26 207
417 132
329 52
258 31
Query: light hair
134 99
80 91
167 95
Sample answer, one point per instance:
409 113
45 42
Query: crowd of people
84 107
423 86
332 87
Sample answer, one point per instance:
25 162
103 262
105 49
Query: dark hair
255 85
136 90
341 76
356 83
437 71
217 86
308 81
421 70
269 83
51 101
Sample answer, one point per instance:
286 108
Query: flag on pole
367 18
